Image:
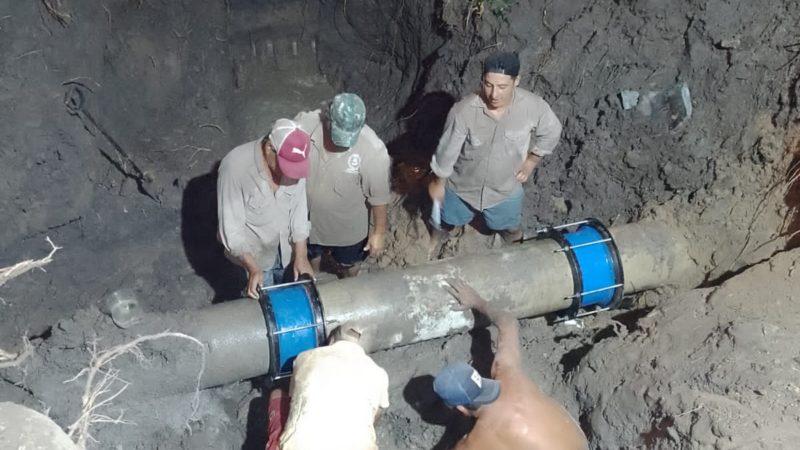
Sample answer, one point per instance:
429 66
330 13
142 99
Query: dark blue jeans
344 256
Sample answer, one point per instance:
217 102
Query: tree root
7 273
101 377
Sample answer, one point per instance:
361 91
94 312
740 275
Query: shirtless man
512 412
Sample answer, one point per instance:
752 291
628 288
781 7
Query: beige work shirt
480 155
252 218
340 184
336 392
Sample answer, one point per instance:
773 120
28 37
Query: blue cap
459 384
348 114
506 63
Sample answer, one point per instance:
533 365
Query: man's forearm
301 250
497 316
379 221
508 351
504 321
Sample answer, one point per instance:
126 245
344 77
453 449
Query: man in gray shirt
261 204
491 143
348 181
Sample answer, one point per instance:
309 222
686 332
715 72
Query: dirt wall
125 183
616 164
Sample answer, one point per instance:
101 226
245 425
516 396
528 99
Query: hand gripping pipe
571 270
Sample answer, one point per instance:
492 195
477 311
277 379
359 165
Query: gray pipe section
654 254
401 307
235 335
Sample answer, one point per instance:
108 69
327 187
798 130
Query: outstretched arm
508 351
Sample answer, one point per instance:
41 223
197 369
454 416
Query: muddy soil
705 369
158 91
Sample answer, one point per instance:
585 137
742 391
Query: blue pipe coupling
295 320
597 275
295 323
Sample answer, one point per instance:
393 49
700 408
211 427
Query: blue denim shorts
277 273
506 215
346 256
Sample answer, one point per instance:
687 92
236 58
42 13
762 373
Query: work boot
348 271
316 263
511 236
438 239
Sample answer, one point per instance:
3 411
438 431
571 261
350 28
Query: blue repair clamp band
559 235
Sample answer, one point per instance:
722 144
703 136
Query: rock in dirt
24 428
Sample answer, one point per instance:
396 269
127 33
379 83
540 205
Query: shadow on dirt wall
199 235
793 200
419 393
411 152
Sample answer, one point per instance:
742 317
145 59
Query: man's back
523 417
336 391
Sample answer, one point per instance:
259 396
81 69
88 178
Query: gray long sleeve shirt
479 155
252 218
340 185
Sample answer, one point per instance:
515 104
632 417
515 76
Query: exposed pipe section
247 339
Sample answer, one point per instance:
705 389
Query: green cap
347 114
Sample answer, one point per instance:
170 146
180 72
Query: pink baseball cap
292 145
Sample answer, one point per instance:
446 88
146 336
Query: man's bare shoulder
530 415
497 431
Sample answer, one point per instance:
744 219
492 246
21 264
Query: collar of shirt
259 160
479 103
318 140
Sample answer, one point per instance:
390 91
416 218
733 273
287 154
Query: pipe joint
594 260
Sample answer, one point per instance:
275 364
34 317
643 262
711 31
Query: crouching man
336 393
512 412
262 206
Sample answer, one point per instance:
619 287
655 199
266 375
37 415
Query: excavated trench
115 117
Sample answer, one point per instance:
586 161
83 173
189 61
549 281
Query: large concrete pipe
403 306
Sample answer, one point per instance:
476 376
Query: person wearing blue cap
492 141
512 411
348 182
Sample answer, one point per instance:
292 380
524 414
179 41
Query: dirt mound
711 368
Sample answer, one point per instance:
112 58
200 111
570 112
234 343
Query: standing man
336 394
261 204
491 143
349 179
512 412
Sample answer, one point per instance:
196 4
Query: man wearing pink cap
261 204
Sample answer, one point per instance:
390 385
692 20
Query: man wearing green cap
491 143
349 179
